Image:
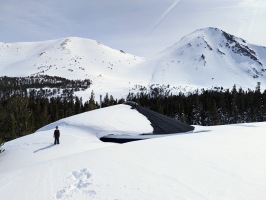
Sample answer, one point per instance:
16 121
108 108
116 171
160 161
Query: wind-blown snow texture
220 162
206 58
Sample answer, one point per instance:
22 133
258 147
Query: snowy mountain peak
71 57
200 58
205 58
212 38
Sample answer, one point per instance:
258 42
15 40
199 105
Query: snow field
219 162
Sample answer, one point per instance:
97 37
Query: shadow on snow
47 147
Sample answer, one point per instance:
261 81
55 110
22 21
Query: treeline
207 107
43 86
27 104
21 115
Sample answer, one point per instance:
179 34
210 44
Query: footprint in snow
60 193
78 182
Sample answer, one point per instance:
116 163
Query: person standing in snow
56 135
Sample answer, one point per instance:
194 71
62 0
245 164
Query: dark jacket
56 133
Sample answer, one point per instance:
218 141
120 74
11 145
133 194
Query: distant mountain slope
209 57
206 58
73 58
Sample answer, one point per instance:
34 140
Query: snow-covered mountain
209 57
206 58
73 58
216 162
219 162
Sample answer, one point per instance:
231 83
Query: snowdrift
220 162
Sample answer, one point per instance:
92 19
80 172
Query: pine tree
112 101
106 101
214 117
3 115
1 145
234 107
44 117
78 105
92 105
196 111
19 115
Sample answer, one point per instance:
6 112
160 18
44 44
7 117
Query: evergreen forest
29 103
217 106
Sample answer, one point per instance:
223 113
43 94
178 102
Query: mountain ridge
205 58
66 53
208 53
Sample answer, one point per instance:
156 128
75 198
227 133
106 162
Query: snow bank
117 119
220 162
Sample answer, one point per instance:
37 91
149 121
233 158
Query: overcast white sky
140 27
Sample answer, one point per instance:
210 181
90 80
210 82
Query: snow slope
73 58
220 162
206 58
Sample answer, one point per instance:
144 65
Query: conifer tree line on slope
27 104
42 85
23 111
21 115
207 107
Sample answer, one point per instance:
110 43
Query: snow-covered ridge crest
205 58
210 57
67 57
